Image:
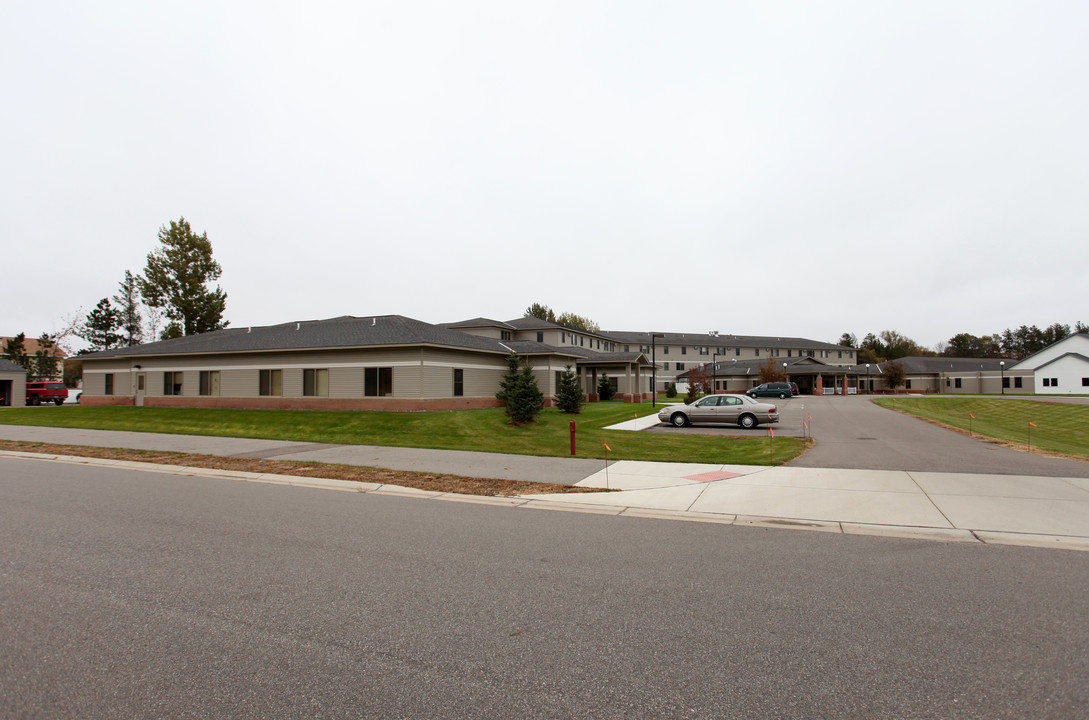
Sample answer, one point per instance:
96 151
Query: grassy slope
481 430
1061 428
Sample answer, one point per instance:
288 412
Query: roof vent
374 321
249 330
296 326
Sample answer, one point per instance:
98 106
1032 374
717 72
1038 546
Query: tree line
1011 343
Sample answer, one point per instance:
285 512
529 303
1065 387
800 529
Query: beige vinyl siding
345 382
239 383
239 374
293 382
435 373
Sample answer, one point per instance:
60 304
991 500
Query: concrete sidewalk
1002 509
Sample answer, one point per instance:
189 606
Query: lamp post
867 377
654 369
1002 370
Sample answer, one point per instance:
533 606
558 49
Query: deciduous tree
894 374
772 371
541 312
577 321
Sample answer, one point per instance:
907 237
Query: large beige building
386 362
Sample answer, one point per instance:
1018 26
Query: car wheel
747 421
35 400
783 396
679 420
752 395
58 402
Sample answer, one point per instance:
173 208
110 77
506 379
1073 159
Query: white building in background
1061 368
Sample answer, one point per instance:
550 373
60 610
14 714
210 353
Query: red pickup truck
39 392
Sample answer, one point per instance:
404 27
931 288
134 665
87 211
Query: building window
109 384
704 350
459 382
684 350
270 382
680 366
956 382
757 351
737 351
665 349
540 336
504 335
316 383
172 383
644 348
840 354
809 353
1005 382
1017 382
665 366
788 352
377 382
1054 382
209 382
627 348
907 384
1085 382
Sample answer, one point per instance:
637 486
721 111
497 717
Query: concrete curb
619 510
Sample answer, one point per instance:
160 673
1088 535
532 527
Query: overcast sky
770 168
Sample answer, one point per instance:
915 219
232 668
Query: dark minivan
773 389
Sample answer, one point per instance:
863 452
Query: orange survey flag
1032 423
772 431
607 446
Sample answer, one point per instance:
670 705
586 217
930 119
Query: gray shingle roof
703 339
932 365
478 322
337 332
9 367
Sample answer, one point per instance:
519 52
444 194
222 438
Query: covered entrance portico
629 373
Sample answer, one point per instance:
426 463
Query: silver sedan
721 409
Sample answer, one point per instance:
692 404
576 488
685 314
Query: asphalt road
852 432
126 594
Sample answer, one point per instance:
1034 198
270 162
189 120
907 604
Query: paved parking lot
852 432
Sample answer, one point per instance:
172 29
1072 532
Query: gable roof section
9 367
339 332
477 323
1079 356
1037 358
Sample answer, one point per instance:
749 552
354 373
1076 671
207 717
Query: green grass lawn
1061 428
480 430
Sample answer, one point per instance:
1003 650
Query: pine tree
176 279
15 350
127 302
518 391
45 364
101 326
605 388
569 394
